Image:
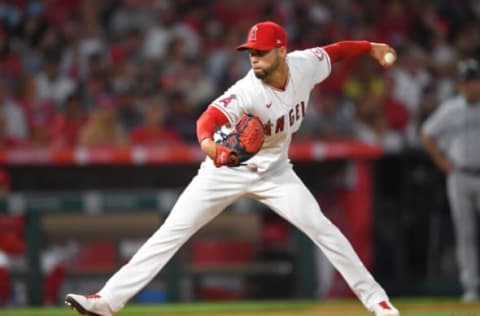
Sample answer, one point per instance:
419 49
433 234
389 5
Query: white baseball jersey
281 111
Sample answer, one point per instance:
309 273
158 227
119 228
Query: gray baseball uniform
455 126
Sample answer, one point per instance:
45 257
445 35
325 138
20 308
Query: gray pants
464 196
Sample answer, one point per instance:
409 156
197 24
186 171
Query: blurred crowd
139 72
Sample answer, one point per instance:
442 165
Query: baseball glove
242 143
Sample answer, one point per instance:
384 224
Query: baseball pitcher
247 163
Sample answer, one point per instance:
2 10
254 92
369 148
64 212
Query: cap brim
254 46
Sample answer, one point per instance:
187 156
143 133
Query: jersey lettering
268 128
303 108
280 126
226 101
295 114
291 117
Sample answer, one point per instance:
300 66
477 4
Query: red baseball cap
265 36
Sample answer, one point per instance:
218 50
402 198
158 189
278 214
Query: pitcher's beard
262 74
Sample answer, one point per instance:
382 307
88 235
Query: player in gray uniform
451 136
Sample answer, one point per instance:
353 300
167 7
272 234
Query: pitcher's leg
294 202
193 209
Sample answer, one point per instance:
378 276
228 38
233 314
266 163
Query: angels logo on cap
252 35
265 36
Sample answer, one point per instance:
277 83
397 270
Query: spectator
75 45
173 65
6 140
91 90
222 65
227 12
15 128
167 28
158 34
102 129
95 66
51 83
410 78
66 125
154 132
128 48
181 118
10 62
199 89
370 124
70 38
330 118
394 24
233 71
428 105
57 12
127 108
91 42
29 35
364 79
395 112
147 79
39 112
129 14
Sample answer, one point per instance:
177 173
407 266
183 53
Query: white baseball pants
210 192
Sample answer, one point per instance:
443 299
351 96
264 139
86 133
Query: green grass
408 307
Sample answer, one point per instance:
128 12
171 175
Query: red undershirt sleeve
208 121
346 49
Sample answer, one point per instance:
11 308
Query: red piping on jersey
346 49
281 89
208 121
